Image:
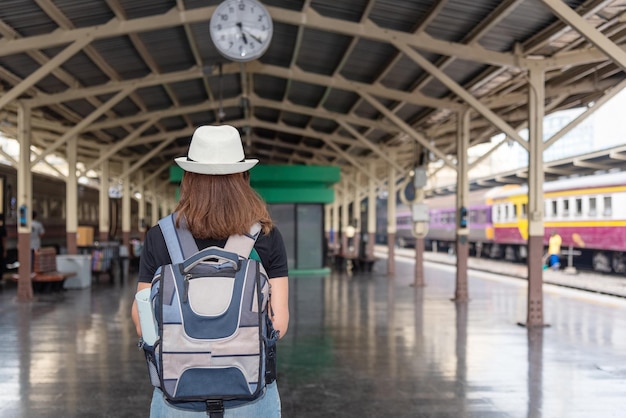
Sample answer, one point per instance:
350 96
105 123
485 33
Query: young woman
216 201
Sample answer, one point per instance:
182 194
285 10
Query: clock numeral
224 17
242 6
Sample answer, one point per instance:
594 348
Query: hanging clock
241 29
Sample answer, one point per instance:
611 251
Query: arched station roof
343 82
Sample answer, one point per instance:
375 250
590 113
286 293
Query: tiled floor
358 346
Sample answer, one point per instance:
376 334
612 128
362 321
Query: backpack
215 343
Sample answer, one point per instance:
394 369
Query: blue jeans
267 406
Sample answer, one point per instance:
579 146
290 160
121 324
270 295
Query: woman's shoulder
273 235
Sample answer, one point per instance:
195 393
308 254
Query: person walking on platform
217 202
37 231
554 250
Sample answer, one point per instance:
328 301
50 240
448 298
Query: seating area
343 262
45 277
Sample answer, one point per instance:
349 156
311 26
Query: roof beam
123 143
84 123
594 36
461 92
310 132
173 111
369 145
579 162
423 141
377 89
43 71
310 18
322 113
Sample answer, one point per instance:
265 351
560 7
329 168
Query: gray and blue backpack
216 345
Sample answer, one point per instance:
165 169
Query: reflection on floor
363 345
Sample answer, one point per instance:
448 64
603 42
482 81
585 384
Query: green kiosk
296 195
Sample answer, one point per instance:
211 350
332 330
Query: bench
364 263
45 277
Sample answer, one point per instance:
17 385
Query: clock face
241 29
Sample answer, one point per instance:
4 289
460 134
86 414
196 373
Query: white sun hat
216 150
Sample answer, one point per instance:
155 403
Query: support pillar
326 248
356 216
141 203
71 196
126 206
462 204
371 212
536 102
391 218
335 222
104 201
345 206
24 200
155 203
418 273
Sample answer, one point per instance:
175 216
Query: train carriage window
592 206
579 206
497 216
553 208
513 212
565 208
482 216
473 216
506 212
607 206
524 210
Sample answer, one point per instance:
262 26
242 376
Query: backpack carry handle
211 253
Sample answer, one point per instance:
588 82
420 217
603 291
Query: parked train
588 212
49 201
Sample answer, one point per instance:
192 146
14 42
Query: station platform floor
359 345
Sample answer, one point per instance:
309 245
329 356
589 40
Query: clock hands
244 32
243 35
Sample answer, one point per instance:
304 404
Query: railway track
612 285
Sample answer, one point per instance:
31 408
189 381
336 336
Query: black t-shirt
270 247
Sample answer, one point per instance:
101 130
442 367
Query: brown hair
220 206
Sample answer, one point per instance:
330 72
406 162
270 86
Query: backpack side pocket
150 352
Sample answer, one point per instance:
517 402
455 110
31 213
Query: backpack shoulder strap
243 244
180 243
